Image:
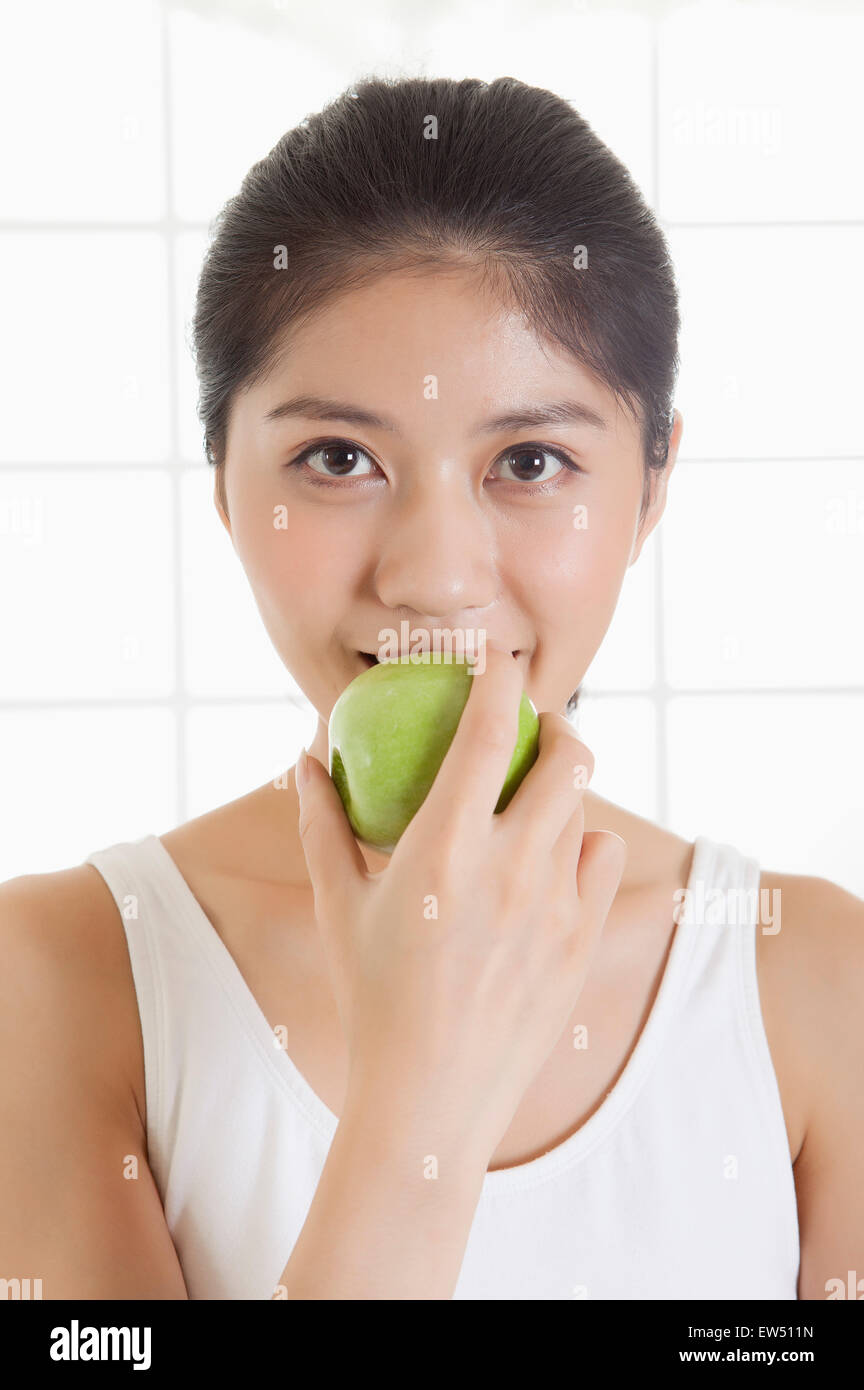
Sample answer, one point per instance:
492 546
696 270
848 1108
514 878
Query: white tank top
679 1186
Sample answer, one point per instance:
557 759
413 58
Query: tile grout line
180 703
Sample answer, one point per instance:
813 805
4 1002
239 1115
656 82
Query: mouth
373 660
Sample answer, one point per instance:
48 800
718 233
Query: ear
656 503
217 502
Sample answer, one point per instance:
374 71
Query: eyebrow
567 412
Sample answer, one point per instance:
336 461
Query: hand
456 968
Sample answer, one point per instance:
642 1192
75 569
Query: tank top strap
725 911
718 911
153 912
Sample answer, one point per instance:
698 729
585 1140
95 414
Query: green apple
389 732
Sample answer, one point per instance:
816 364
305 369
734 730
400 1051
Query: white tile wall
772 356
622 734
760 113
81 112
255 743
763 575
83 362
89 587
235 91
138 686
778 776
77 780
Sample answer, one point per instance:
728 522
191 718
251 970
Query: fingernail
301 771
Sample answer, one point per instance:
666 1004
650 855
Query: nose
437 552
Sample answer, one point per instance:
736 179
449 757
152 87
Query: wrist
405 1128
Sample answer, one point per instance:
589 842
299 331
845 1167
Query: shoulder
66 967
814 966
46 899
60 915
72 1138
810 951
818 928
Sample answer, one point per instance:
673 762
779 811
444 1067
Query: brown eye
530 464
339 460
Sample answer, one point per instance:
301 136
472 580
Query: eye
339 458
530 463
323 463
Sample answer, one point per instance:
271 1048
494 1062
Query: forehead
409 337
452 316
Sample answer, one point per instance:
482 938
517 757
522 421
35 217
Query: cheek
569 576
280 546
583 557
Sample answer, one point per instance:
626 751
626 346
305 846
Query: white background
138 686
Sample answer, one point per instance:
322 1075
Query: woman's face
434 513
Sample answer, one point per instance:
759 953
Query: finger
548 795
580 857
333 856
599 873
469 780
568 847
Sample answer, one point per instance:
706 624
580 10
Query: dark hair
512 183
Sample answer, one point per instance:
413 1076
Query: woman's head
436 254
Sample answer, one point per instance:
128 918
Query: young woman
436 326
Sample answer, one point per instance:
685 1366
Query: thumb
333 856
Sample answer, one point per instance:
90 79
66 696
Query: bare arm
79 1209
392 1212
830 969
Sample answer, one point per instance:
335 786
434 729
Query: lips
373 660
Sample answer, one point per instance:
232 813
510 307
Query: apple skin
389 732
